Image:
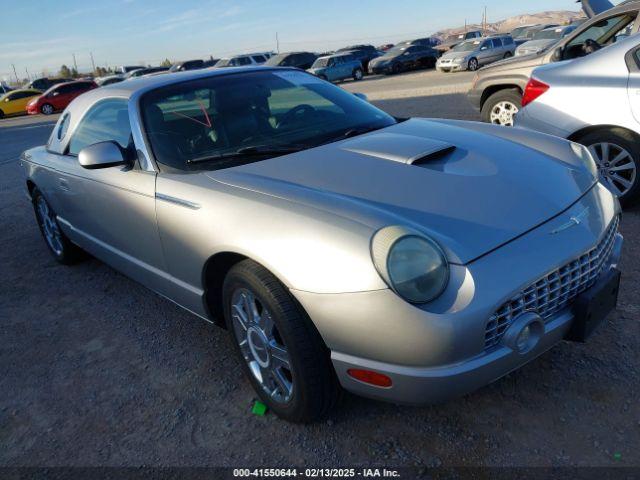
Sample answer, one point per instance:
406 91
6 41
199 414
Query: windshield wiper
352 132
245 152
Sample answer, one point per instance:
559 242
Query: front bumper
380 69
448 66
419 386
439 351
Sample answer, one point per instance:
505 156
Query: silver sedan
594 100
409 261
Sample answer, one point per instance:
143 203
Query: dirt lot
97 370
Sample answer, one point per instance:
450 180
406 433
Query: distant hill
560 17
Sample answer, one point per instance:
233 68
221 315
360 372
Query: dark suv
302 60
364 53
497 89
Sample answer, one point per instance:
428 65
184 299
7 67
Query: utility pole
27 70
14 72
484 21
75 65
92 62
277 43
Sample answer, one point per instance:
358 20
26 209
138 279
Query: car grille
555 290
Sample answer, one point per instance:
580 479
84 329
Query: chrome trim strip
177 201
138 263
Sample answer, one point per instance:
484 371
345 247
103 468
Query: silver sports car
404 260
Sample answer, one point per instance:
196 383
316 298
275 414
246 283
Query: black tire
1 114
68 253
47 109
473 64
628 141
315 387
396 68
509 95
508 55
357 74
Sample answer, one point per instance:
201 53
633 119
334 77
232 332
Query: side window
243 61
508 41
486 44
64 89
106 121
259 59
604 30
497 43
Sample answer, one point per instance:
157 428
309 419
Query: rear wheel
62 249
396 68
281 352
1 114
357 74
508 55
473 64
46 109
501 107
617 154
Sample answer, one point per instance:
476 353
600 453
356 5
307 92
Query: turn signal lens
372 378
533 90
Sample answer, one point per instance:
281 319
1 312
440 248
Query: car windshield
395 51
222 121
321 62
520 31
466 46
551 34
278 59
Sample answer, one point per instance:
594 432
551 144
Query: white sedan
594 100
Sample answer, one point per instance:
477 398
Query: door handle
64 185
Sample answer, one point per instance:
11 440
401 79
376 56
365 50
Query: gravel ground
97 370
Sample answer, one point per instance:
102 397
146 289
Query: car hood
524 61
537 44
451 54
472 187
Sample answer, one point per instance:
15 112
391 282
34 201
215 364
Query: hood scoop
407 149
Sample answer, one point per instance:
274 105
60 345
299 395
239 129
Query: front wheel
357 74
473 64
508 55
281 352
62 249
501 107
617 154
46 109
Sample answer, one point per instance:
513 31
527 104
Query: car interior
599 35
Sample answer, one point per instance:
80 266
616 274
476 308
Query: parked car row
473 54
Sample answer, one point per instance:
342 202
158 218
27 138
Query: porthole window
64 126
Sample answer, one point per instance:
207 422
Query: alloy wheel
47 109
473 64
503 113
615 165
50 228
261 345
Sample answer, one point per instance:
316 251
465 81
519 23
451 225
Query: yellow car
15 102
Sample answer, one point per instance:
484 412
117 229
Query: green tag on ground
259 408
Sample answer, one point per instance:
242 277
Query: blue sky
43 34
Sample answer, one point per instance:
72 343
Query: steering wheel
302 109
590 46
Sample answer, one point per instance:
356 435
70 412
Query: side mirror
362 96
101 155
557 55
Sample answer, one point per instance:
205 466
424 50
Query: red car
58 97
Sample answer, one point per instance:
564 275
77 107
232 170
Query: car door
61 96
484 52
110 211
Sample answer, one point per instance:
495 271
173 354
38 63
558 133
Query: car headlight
458 60
587 159
413 265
